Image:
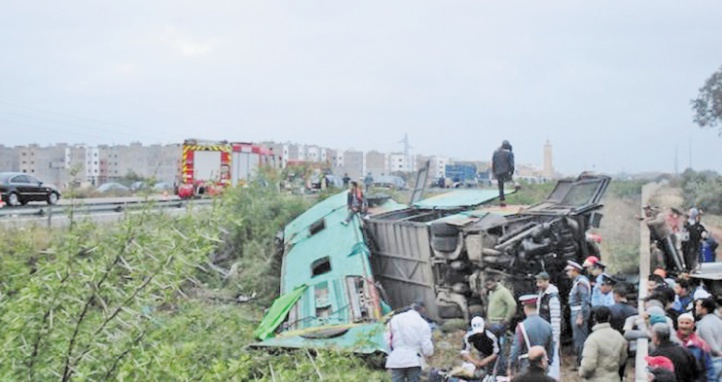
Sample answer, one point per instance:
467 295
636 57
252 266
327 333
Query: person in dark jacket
660 369
621 310
684 362
502 167
537 371
355 202
693 229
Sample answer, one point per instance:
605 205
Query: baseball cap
477 324
590 261
700 294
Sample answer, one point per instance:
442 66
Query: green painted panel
363 338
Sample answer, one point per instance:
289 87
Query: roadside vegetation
701 189
155 298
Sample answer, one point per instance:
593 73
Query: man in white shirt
409 338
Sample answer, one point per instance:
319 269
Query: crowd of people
681 320
681 240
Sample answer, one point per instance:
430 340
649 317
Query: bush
139 301
530 193
78 308
252 219
702 190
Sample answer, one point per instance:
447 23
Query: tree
708 104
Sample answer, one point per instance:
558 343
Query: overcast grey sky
608 83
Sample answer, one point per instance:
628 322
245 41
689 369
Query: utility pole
407 150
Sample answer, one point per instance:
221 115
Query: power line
88 119
47 128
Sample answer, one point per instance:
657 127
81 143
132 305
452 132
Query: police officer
606 295
579 303
533 331
596 269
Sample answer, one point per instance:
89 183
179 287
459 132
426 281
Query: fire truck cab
207 167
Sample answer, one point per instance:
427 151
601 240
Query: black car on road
17 188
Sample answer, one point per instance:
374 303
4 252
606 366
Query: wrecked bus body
438 249
328 294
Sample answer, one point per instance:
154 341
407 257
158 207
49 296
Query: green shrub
702 190
153 298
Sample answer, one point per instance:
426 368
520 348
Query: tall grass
152 298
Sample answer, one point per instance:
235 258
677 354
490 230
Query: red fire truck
207 167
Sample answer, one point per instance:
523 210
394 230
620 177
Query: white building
92 165
399 162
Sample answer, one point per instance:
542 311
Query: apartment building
280 152
159 162
296 152
377 163
353 164
437 164
76 166
334 158
44 163
9 159
400 162
166 161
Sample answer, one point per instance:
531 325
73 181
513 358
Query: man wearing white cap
533 331
579 303
481 349
696 345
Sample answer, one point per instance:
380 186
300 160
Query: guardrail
39 212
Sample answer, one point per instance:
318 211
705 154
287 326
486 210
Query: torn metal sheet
459 199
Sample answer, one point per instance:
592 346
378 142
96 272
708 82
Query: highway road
101 210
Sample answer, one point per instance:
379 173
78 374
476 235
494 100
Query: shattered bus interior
343 279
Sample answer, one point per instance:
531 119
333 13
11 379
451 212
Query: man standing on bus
502 167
